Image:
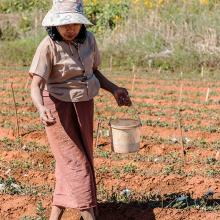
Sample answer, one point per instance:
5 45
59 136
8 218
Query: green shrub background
170 35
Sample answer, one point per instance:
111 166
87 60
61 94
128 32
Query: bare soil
157 176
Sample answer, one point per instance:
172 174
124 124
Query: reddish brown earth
156 176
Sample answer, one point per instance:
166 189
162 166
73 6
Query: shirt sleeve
97 58
42 61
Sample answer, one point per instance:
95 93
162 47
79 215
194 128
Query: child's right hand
46 116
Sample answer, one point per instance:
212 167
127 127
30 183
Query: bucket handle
132 106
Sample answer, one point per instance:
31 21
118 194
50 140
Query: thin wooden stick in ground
133 81
3 83
202 72
27 83
16 112
181 75
207 95
97 132
181 94
181 133
180 120
110 64
159 70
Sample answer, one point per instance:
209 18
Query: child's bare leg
56 212
88 214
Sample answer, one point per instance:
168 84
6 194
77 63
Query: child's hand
122 97
46 116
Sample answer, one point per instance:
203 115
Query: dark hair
55 35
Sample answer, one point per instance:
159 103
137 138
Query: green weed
116 172
130 168
212 172
103 170
41 211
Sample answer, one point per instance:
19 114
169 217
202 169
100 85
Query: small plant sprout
129 168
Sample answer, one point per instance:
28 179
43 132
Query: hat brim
58 19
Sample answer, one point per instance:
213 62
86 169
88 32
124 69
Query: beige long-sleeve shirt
68 70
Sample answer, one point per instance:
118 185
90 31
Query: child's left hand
122 97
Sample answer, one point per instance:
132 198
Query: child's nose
71 28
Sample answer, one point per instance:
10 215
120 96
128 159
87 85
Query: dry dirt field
161 183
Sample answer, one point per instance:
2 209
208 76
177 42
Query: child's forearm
36 92
104 82
36 97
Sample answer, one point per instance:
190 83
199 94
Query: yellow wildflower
148 4
136 2
204 2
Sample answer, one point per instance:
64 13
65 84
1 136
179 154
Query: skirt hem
73 207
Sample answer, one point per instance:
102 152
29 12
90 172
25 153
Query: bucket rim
138 124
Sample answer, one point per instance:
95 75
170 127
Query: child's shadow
125 211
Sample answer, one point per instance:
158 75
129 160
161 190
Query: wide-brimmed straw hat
65 12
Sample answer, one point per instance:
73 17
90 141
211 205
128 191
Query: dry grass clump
170 36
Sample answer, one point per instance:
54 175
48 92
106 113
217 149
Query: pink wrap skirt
71 141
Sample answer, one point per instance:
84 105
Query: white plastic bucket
125 135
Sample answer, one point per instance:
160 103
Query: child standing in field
65 79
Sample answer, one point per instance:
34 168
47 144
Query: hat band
66 12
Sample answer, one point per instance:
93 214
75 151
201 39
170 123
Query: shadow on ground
144 209
125 211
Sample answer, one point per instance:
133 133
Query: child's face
69 31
